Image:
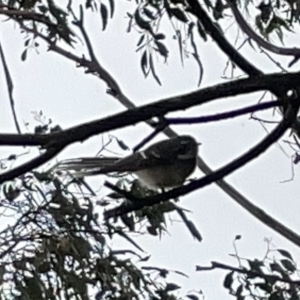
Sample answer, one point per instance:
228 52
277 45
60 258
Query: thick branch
158 108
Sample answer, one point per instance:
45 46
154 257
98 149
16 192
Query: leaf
148 13
239 290
114 195
283 23
153 69
255 265
146 258
228 280
141 39
12 157
42 8
179 14
181 273
201 30
26 42
159 36
143 24
238 237
172 287
275 296
104 14
162 49
275 267
264 286
128 221
280 35
250 43
112 7
290 266
152 230
266 10
196 234
144 63
122 145
10 192
178 34
130 240
24 55
192 297
196 56
285 254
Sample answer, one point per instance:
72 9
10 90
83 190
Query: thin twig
225 115
10 88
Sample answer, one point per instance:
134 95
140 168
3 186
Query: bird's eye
183 149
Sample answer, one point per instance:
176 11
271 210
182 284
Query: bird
165 164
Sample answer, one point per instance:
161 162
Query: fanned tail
86 166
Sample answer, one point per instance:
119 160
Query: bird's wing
165 152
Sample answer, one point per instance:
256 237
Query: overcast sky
50 83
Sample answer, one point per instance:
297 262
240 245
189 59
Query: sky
48 82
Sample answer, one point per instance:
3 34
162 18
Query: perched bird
162 165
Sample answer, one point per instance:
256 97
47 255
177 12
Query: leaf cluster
57 248
274 278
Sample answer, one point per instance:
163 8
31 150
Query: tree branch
30 165
10 87
225 115
219 38
158 108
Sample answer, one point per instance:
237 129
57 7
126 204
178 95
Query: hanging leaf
179 14
27 43
178 34
228 280
285 254
159 36
172 287
112 7
122 145
142 23
141 39
144 63
162 49
152 68
104 14
192 297
24 55
290 266
194 231
201 30
148 13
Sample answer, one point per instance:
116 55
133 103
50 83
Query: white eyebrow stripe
142 153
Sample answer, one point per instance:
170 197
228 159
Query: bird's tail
85 166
